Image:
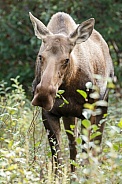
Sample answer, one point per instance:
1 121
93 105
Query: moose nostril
52 92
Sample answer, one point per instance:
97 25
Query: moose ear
83 32
40 29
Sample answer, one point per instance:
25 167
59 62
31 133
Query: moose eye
66 62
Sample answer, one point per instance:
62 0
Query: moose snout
44 96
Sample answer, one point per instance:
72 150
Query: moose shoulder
68 58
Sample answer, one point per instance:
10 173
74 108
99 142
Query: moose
69 57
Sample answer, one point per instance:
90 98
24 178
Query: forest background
19 46
24 148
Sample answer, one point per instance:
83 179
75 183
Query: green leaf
10 143
89 106
110 85
65 101
95 128
70 132
37 144
86 123
74 163
83 93
72 127
93 135
12 167
79 140
60 92
61 105
116 147
120 123
105 115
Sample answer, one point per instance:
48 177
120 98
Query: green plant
25 156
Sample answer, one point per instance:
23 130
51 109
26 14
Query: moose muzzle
44 97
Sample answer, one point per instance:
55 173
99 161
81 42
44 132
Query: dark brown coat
69 57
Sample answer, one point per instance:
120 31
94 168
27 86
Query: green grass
24 148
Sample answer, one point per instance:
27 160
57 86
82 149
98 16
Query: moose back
68 58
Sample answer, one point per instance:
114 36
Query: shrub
25 150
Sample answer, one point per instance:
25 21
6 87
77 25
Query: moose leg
52 126
72 143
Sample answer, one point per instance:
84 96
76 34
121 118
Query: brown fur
88 56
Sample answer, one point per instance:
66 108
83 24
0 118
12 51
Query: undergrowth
25 156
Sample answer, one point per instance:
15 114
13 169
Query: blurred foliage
19 46
24 147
